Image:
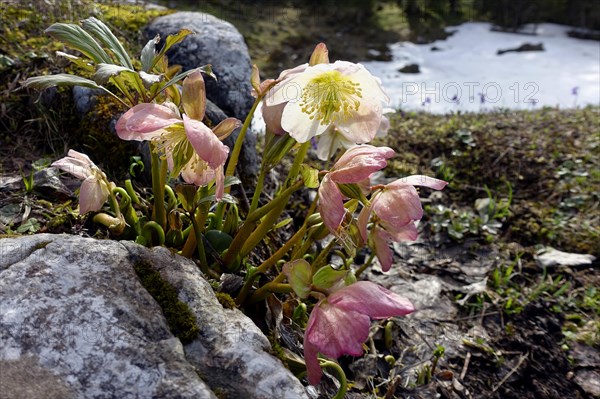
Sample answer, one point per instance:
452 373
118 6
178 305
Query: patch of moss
181 320
225 300
41 245
277 350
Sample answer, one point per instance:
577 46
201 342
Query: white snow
468 65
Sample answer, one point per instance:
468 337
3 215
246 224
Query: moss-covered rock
180 318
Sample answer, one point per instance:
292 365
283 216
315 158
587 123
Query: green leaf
78 39
231 180
148 53
80 62
186 193
326 277
63 79
298 273
31 225
310 176
102 32
169 42
207 69
106 71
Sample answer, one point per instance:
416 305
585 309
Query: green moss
180 318
225 300
277 350
41 245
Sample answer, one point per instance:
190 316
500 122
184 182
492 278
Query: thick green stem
198 221
268 289
149 228
341 377
131 192
130 216
364 267
267 264
259 188
274 207
159 169
172 202
322 257
295 169
235 153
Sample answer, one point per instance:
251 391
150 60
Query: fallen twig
511 372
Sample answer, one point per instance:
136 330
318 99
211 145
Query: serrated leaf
298 273
102 32
75 37
310 176
148 53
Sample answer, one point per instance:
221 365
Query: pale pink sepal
144 121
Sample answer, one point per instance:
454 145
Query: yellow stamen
330 97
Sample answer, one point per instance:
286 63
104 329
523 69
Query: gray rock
75 319
85 99
550 257
410 68
218 43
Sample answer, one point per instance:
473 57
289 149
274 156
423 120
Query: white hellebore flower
341 102
94 190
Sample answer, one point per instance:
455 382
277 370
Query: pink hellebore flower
355 166
190 146
340 101
95 188
339 324
396 207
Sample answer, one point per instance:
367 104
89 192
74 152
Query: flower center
330 97
173 144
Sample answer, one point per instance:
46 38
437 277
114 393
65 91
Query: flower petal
197 172
397 205
420 180
80 156
359 162
145 121
193 95
335 331
226 127
370 299
382 249
92 195
313 367
331 204
289 88
363 220
78 168
363 125
369 84
301 126
272 116
206 144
